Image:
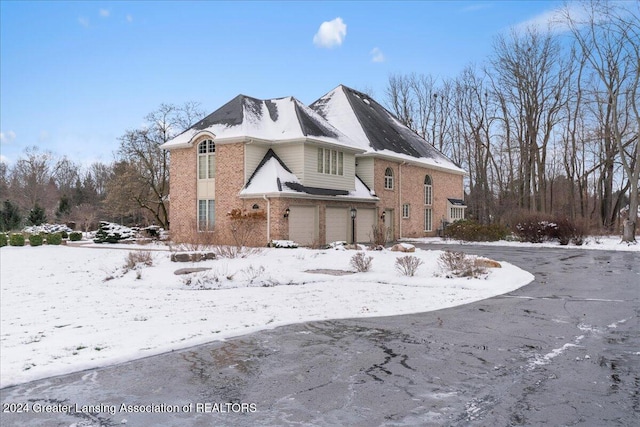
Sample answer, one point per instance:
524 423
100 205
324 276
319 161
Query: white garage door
338 226
364 225
303 228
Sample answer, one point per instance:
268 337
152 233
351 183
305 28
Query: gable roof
374 129
274 120
273 177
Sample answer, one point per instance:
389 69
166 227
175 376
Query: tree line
548 124
131 190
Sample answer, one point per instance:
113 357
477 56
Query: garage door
303 228
338 220
364 225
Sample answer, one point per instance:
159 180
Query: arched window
388 179
428 191
206 159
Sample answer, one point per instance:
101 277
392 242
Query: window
206 160
405 210
330 162
206 214
428 191
388 179
428 219
456 213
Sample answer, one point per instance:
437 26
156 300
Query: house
333 170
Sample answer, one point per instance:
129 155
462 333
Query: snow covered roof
274 120
272 176
376 130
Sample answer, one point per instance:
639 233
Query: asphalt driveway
563 350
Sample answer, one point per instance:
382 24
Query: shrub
16 239
36 240
408 265
4 240
113 233
64 234
75 236
134 258
535 229
244 224
361 262
472 231
379 234
459 264
54 239
251 273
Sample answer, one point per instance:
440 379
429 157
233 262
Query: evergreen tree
37 215
10 218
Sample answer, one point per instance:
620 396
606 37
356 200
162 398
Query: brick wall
182 193
409 189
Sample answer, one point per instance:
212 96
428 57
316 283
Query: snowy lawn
65 309
603 243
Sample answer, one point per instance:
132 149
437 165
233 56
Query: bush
134 258
459 264
4 240
36 240
472 231
113 233
408 265
361 262
16 239
75 236
534 229
379 234
54 239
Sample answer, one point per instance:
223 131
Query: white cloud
330 33
7 137
84 21
377 55
129 18
105 13
554 20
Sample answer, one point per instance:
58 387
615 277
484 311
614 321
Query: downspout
264 196
399 214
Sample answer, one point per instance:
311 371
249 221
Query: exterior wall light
286 212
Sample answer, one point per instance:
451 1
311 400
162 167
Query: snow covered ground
603 243
69 308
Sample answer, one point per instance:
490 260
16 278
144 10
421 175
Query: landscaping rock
486 263
190 270
192 256
403 247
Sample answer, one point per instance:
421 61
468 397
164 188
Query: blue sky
75 75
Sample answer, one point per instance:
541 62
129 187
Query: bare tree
148 171
531 75
32 180
609 37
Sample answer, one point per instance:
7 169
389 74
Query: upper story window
206 159
428 191
388 179
330 162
